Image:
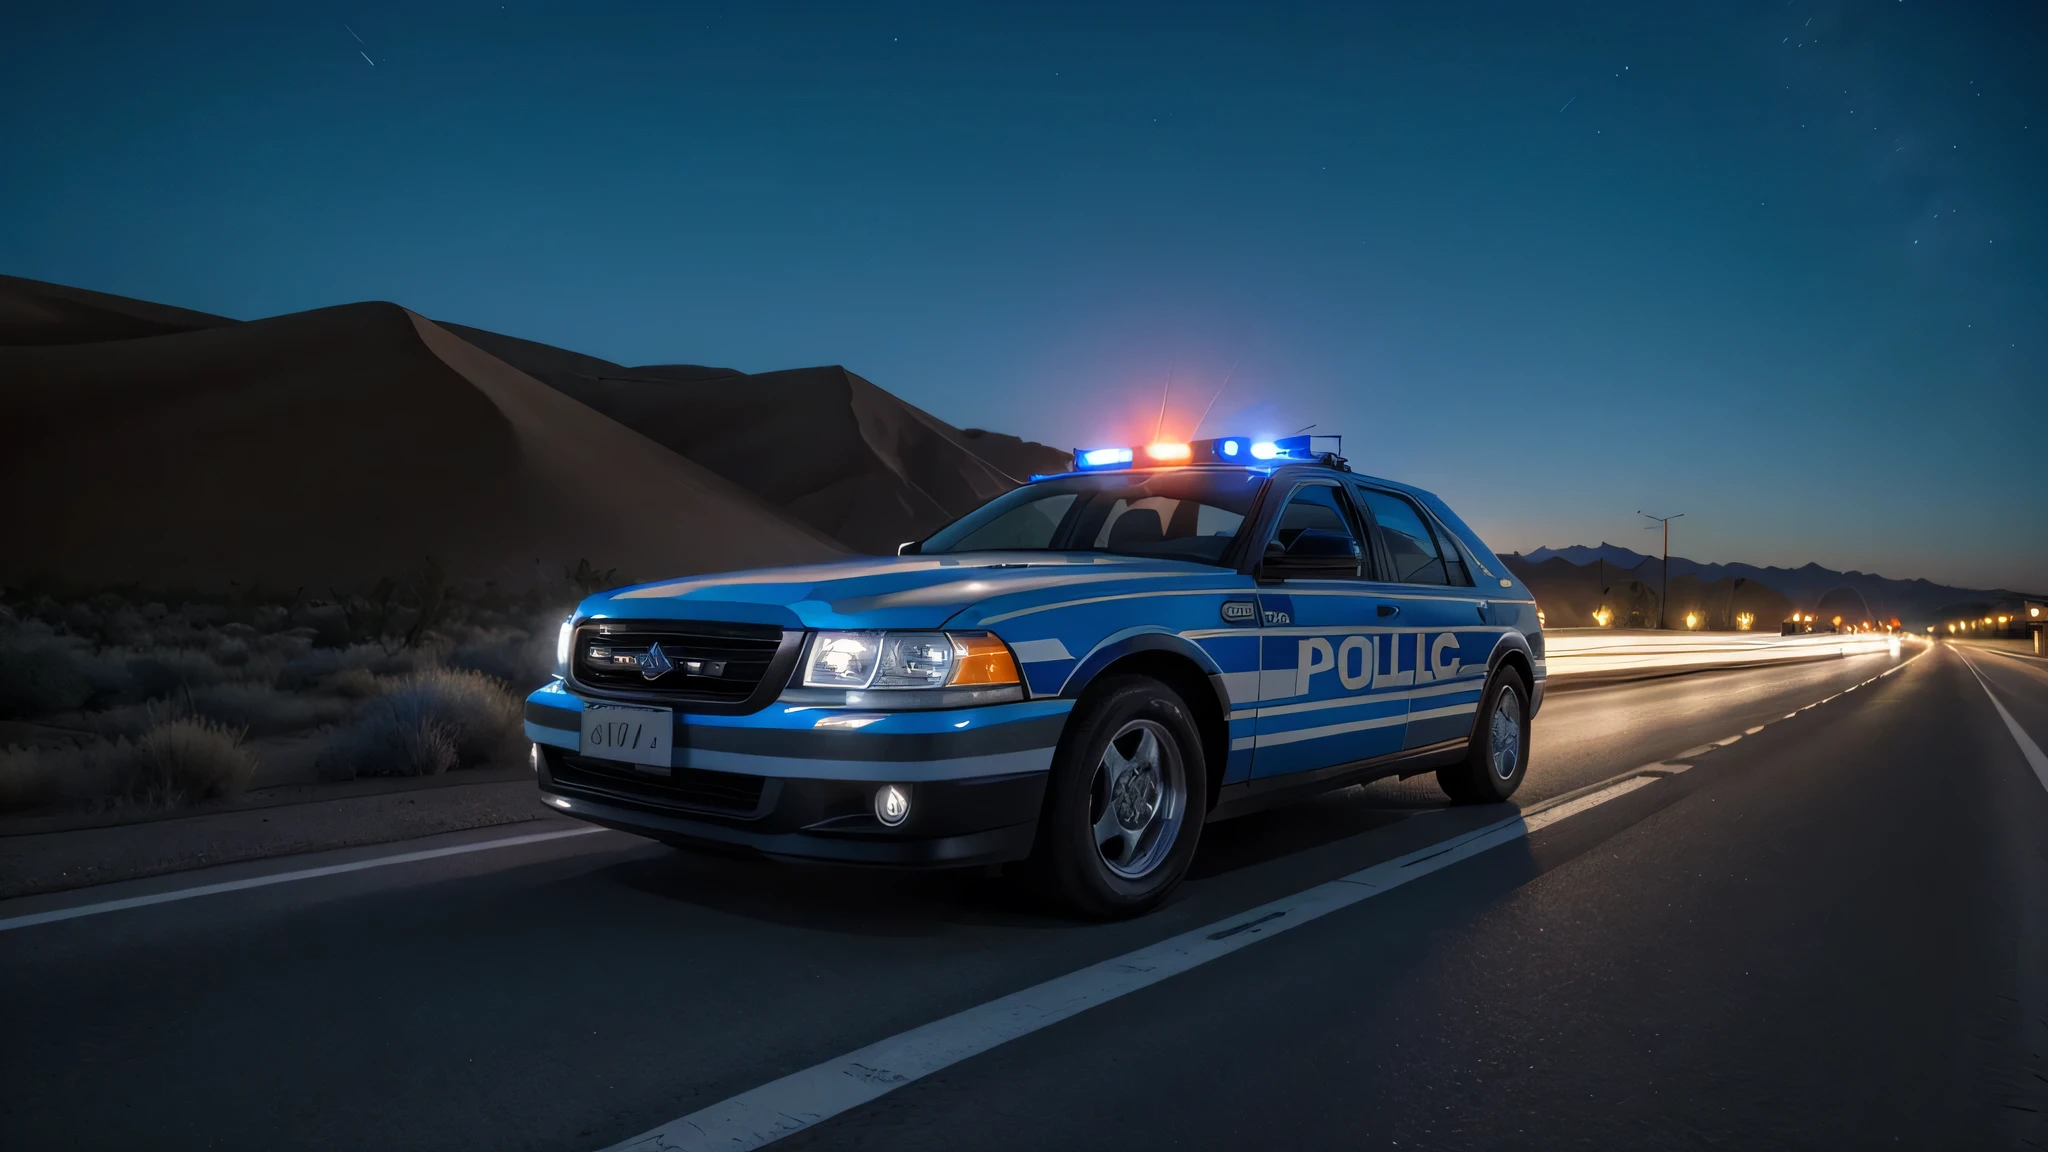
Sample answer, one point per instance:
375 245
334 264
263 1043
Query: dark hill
824 445
332 448
35 313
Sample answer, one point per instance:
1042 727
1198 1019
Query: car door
1442 639
1322 703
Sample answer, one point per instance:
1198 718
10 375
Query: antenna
1216 397
1299 431
1161 422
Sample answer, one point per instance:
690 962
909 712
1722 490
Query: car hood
901 591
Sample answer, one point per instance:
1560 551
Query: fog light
533 758
892 804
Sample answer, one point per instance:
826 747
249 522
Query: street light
1665 597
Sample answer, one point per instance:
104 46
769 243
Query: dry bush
428 723
177 762
427 748
264 711
74 775
518 657
189 760
357 684
163 672
43 673
316 667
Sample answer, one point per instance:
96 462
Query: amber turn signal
981 660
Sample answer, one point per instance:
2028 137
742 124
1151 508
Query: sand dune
822 444
331 448
34 312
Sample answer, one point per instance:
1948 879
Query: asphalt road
1832 932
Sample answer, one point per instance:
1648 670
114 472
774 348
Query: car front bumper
775 783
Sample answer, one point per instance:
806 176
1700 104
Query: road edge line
54 915
2035 758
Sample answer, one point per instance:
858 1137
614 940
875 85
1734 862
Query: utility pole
1664 599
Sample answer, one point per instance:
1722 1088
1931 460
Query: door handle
1389 610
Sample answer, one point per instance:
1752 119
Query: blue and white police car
1080 674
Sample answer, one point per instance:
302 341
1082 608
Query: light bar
1221 450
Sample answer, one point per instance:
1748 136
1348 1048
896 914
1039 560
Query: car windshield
1183 514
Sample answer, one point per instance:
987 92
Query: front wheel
1125 804
1497 756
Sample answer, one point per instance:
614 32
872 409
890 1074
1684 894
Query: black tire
1478 778
1069 862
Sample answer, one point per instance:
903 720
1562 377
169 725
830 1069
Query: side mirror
909 548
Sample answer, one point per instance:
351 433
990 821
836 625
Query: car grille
689 789
695 661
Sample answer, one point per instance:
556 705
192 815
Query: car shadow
828 898
890 902
1277 833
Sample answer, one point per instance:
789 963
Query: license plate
623 732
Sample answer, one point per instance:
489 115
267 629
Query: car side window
1317 537
1455 564
1407 537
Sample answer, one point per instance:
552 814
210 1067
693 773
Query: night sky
1779 267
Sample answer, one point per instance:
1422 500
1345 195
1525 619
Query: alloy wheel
1138 799
1506 733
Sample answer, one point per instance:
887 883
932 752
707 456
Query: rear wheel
1124 807
1497 756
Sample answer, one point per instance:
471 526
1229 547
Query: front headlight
564 640
908 670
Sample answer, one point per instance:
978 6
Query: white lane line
2027 656
1571 808
2029 749
800 1100
34 918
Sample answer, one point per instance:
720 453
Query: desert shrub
188 760
130 721
263 710
85 775
428 723
315 667
514 655
167 671
357 683
229 651
177 762
43 673
427 747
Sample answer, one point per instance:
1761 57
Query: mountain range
1807 589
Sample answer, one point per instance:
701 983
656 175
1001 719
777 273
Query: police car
1081 674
